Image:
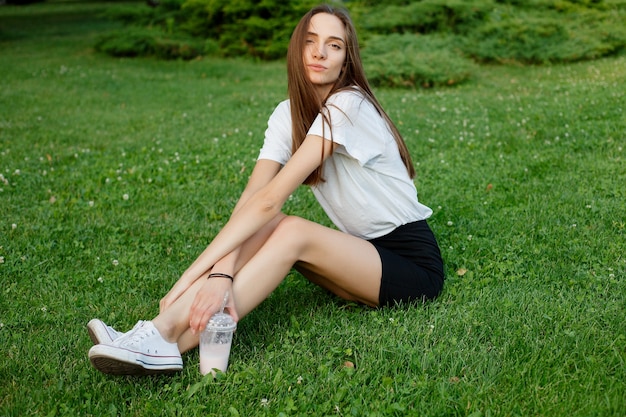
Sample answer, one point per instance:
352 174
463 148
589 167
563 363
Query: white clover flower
125 197
100 279
300 379
44 309
264 402
1 259
450 223
115 262
91 203
14 226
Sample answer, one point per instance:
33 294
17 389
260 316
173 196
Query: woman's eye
335 46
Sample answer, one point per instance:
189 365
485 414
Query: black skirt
411 263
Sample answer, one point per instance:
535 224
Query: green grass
115 174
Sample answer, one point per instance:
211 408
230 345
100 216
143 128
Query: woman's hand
209 300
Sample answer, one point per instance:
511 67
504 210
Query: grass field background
116 173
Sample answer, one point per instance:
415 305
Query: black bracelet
219 275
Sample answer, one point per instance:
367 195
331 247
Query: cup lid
221 321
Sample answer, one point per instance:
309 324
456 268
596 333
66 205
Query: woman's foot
142 351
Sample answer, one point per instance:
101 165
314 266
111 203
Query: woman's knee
289 227
289 234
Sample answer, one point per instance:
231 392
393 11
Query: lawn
116 173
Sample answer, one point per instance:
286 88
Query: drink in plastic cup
215 342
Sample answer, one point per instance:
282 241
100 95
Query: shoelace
115 334
135 337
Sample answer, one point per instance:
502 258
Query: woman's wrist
219 275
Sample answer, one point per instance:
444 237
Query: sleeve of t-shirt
355 124
277 142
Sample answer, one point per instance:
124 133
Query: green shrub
562 5
22 2
245 27
547 38
427 16
414 61
370 3
133 42
127 43
500 31
186 49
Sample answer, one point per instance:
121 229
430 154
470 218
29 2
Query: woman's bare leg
173 323
347 266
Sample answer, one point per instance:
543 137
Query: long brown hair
305 104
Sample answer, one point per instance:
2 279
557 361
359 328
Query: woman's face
325 51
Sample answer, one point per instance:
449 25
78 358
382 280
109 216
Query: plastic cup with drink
215 342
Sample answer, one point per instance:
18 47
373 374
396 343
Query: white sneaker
142 351
100 333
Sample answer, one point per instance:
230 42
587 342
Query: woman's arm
263 206
262 174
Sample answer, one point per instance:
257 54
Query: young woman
332 135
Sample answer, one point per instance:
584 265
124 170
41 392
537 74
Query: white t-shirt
368 192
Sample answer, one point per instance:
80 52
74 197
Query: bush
414 60
135 42
21 2
561 5
127 43
547 38
528 32
427 16
245 27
